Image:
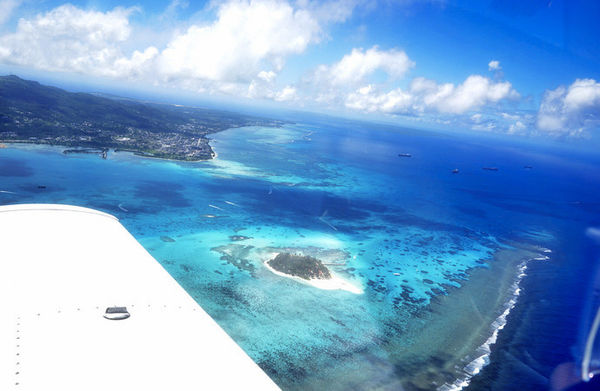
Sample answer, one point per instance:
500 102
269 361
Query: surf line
121 207
7 192
214 206
483 351
232 203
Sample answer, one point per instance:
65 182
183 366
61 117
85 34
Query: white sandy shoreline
334 283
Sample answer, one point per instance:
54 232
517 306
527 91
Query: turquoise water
404 230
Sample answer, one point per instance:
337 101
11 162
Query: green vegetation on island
306 267
33 113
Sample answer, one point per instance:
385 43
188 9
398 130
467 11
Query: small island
305 267
308 270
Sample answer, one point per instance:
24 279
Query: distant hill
34 113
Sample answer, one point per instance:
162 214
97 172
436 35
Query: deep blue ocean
445 260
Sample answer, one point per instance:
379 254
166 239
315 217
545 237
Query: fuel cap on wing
116 313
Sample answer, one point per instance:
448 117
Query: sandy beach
334 283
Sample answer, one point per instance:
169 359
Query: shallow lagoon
437 254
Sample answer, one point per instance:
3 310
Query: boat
490 168
404 155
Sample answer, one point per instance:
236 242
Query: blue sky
515 67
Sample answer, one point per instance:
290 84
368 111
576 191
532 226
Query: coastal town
36 114
166 145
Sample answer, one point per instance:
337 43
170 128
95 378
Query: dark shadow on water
472 211
292 205
559 208
14 168
41 188
403 219
162 193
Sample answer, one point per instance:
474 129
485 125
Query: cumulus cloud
369 100
288 93
69 39
244 49
494 65
425 95
263 86
353 68
474 92
570 109
245 37
249 41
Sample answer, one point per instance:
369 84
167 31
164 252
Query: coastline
334 283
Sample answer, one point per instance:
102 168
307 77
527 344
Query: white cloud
369 100
494 65
69 39
494 120
243 50
248 41
512 117
267 76
246 37
139 65
475 92
476 118
288 93
263 86
426 95
488 126
355 67
517 127
570 109
583 94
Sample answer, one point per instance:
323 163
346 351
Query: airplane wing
61 268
